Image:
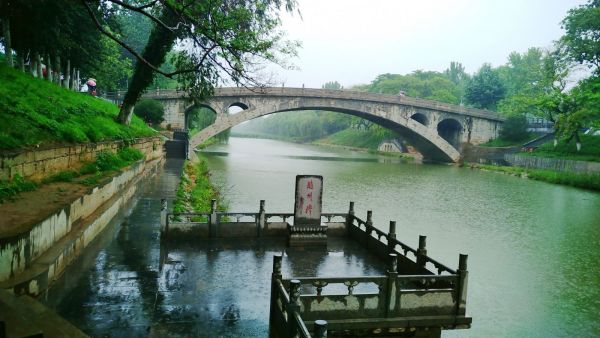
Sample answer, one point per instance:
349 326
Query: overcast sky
353 41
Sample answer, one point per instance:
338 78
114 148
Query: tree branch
140 10
121 43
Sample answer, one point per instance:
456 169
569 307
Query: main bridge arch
416 120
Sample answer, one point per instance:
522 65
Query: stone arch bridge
437 130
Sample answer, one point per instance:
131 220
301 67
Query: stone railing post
391 291
350 216
213 221
422 251
392 236
164 226
461 287
293 307
320 328
369 223
261 222
275 276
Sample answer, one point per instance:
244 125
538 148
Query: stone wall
486 155
37 164
552 164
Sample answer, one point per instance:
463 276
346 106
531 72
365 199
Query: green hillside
35 112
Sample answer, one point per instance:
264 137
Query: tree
581 41
332 85
523 72
219 40
150 111
485 88
422 84
526 80
514 128
60 31
456 73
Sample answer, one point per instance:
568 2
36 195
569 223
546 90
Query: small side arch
421 118
192 107
451 131
236 107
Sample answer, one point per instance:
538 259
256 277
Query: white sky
353 41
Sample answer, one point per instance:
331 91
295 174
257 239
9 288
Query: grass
590 149
579 180
62 176
90 174
34 112
355 138
195 191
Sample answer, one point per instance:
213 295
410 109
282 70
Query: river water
534 247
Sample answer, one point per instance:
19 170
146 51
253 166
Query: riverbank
195 191
578 180
406 156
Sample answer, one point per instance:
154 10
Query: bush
514 128
150 111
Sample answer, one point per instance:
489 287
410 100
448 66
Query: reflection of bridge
436 129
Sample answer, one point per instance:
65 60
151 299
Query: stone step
23 316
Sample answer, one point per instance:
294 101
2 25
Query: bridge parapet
335 94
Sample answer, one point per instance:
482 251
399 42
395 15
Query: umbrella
91 82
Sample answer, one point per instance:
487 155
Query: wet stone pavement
128 285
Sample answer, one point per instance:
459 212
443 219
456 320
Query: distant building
537 124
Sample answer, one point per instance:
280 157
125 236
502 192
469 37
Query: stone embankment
34 251
39 163
555 164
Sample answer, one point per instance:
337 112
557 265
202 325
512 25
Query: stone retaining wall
37 164
552 164
486 155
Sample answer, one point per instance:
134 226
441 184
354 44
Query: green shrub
107 161
130 155
150 111
514 128
63 176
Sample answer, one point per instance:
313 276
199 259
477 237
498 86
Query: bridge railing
351 301
338 94
231 224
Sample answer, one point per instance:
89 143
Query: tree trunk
57 69
20 61
77 82
7 41
159 44
66 82
49 68
33 65
38 66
